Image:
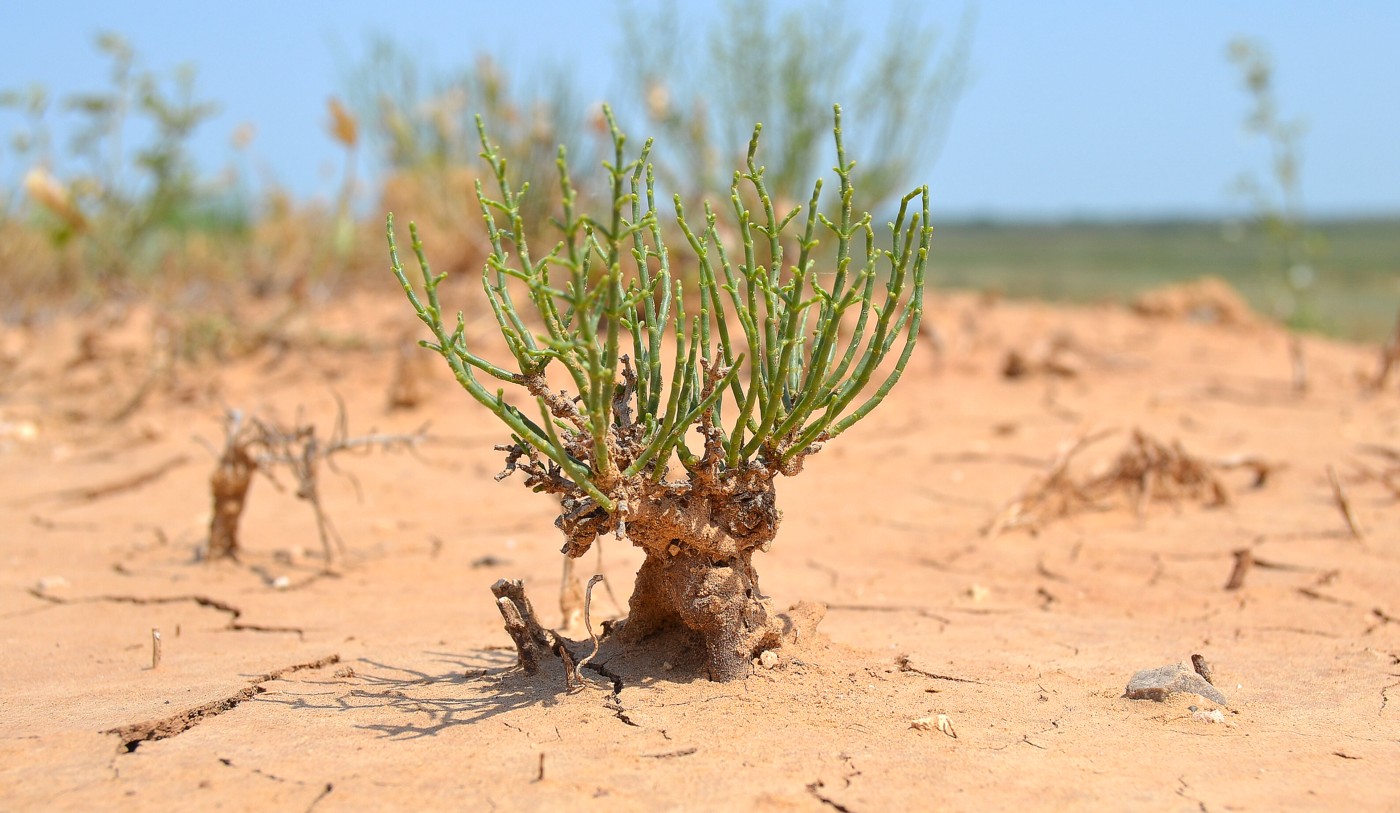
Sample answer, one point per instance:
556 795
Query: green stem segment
791 377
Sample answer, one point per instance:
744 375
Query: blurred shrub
699 90
1276 197
120 202
705 88
422 131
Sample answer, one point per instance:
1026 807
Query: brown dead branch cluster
256 445
1147 469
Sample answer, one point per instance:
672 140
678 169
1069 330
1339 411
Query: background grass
1355 295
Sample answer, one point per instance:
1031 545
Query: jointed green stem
789 378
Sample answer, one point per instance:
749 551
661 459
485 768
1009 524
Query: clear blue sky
1094 108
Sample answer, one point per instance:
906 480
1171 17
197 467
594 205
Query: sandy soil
391 685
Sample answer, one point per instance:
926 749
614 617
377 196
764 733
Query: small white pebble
281 583
768 658
940 723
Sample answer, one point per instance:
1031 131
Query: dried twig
1244 560
533 641
1390 358
1339 496
588 625
1298 362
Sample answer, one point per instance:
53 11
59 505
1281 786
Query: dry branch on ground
255 445
1147 469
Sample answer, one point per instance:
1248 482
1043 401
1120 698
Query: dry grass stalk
1298 362
1146 470
1339 496
1244 560
1390 358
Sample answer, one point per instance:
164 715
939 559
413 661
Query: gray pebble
1157 684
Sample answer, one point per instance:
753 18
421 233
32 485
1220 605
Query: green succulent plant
782 354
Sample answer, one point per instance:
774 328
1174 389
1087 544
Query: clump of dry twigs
255 445
1146 469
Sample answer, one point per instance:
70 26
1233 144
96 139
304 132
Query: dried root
533 641
1146 470
1339 496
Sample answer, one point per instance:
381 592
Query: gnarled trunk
718 600
699 539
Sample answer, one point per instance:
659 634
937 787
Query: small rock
940 723
768 659
1160 683
281 583
1212 716
48 583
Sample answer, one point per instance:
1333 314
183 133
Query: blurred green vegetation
1355 293
122 209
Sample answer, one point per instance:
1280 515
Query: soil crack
906 666
815 789
614 701
235 613
133 735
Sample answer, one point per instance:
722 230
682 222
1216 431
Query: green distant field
1356 294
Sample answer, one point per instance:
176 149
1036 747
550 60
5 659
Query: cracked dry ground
390 685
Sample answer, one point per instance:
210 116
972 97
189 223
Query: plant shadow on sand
483 684
475 687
